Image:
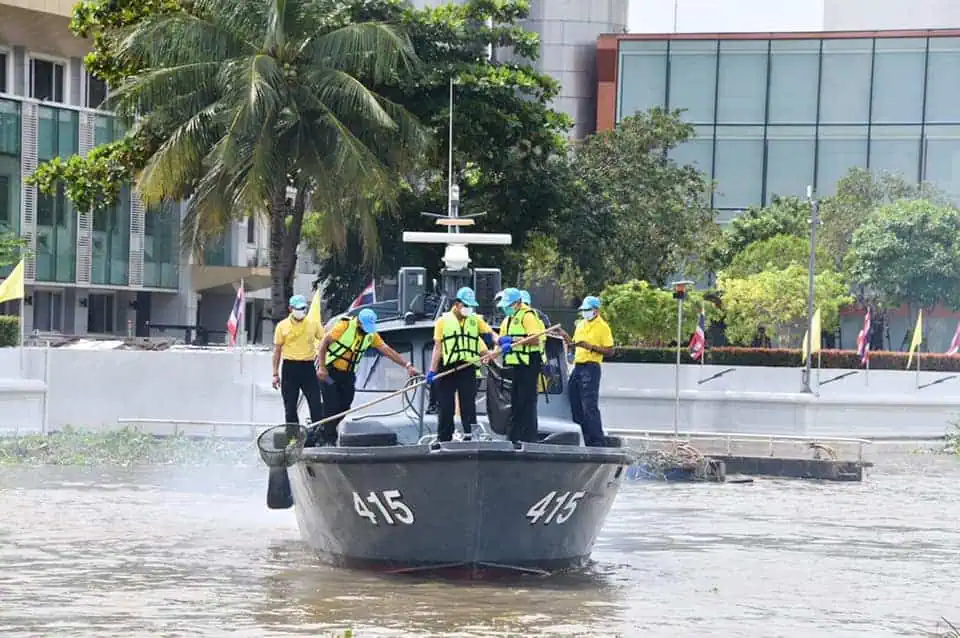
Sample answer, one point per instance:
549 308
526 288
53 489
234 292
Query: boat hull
476 507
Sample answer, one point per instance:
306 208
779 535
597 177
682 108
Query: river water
171 552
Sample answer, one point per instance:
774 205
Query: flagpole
23 336
242 325
867 373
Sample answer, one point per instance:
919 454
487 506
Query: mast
456 256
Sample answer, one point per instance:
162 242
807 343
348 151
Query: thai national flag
955 344
863 339
367 297
699 339
236 315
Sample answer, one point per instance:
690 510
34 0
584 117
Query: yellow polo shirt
596 333
298 340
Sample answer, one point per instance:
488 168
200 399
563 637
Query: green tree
908 252
640 314
250 99
777 299
783 216
508 143
11 248
775 253
859 193
634 212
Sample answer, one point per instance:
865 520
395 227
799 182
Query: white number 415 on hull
563 505
388 506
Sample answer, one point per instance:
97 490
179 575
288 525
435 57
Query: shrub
789 358
9 332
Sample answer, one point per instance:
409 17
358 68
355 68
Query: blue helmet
510 297
590 303
368 320
467 297
298 302
525 297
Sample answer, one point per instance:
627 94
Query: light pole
814 222
679 293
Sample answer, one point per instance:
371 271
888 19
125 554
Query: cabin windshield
376 373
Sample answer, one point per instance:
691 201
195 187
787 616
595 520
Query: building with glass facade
117 271
775 113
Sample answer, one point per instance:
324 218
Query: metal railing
729 438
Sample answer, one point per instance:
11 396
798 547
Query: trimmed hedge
788 358
9 332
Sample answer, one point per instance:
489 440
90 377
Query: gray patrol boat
390 497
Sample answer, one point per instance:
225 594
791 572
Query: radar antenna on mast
456 257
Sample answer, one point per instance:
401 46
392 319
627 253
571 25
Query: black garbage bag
499 386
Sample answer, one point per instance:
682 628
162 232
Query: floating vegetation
128 446
681 462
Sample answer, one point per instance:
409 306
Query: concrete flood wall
97 389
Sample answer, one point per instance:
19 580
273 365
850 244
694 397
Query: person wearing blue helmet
593 341
523 362
459 336
296 340
340 354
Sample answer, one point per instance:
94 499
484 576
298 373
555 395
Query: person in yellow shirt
523 362
340 354
459 336
295 343
593 341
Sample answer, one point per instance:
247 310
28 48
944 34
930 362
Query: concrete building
107 273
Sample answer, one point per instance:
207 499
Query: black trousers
297 377
337 396
585 402
523 400
462 383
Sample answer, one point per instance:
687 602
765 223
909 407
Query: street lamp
679 293
814 222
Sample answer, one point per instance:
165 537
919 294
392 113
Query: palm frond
372 50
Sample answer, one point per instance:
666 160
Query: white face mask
466 311
589 314
299 314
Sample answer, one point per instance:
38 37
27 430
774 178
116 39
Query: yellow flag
314 312
917 338
12 286
817 330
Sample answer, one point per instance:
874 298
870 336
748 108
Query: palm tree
261 95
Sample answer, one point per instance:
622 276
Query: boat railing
731 438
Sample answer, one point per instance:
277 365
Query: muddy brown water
171 552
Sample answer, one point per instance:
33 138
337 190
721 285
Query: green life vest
519 355
350 347
461 341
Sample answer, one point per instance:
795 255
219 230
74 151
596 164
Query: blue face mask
510 311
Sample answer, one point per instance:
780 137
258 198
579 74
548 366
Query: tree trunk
284 240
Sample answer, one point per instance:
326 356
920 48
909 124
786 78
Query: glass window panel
56 252
642 77
845 81
739 166
161 236
790 157
896 149
57 134
794 72
943 80
10 128
742 90
840 148
697 151
898 80
941 162
693 78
